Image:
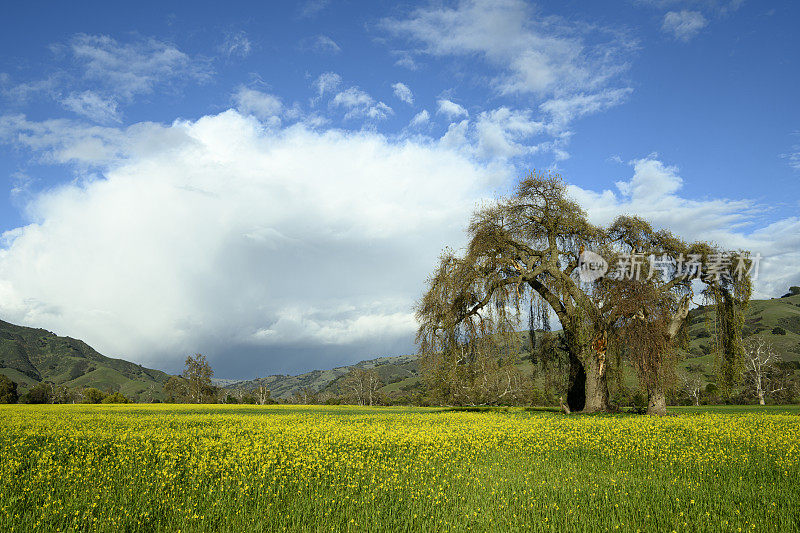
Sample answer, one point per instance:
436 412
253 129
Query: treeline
194 385
46 392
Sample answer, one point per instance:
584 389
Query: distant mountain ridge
30 356
390 369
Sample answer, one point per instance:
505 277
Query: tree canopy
530 252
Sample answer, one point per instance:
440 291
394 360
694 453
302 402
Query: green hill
401 374
30 356
776 320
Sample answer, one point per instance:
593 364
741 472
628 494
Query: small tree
362 385
176 389
92 395
197 374
481 372
693 386
306 396
116 397
760 367
8 390
262 395
63 394
41 393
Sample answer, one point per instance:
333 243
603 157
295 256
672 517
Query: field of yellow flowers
252 468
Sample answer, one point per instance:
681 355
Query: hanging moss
730 297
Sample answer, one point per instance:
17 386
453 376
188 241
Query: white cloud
534 53
72 142
717 7
793 156
21 185
651 180
405 60
360 104
93 106
219 234
403 93
352 97
500 132
421 118
455 138
312 7
564 110
261 105
379 111
653 193
570 68
236 44
136 67
327 82
684 25
451 109
325 327
325 45
21 93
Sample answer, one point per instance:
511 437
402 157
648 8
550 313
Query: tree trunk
576 395
657 402
761 398
597 397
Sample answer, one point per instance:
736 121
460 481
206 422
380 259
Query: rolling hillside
29 356
401 373
764 318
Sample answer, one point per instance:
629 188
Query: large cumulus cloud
229 235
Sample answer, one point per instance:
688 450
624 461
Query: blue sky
269 183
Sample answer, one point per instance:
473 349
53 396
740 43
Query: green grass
339 468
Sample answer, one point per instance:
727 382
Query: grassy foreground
220 468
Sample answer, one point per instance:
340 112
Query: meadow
339 468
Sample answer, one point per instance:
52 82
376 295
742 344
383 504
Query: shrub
92 395
777 330
639 400
115 398
41 393
8 390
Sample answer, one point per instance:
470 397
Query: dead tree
693 385
760 366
